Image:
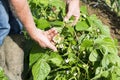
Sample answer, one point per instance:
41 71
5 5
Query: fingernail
55 50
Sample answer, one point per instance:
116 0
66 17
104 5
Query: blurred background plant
111 5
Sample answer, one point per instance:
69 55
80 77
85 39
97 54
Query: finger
75 21
52 42
51 33
67 17
45 43
51 46
55 31
52 30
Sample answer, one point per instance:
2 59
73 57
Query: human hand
45 38
73 10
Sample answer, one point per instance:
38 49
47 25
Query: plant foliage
85 51
2 75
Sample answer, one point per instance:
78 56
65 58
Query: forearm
23 12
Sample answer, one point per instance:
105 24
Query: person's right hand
45 38
73 10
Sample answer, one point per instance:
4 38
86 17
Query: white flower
98 30
67 60
75 74
61 45
84 65
57 38
67 72
84 52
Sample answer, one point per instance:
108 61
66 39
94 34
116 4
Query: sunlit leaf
56 59
40 70
81 26
105 61
93 56
83 10
37 53
87 43
104 29
42 24
38 2
57 23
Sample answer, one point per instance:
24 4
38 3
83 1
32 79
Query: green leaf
42 24
57 3
105 74
71 30
97 73
110 45
104 29
81 26
1 72
117 70
37 53
105 61
56 59
72 59
57 23
81 38
114 59
83 10
87 43
40 70
93 56
106 43
90 21
113 76
2 75
43 2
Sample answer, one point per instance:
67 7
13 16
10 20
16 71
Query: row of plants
86 51
114 5
111 5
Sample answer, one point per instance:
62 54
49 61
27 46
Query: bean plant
86 51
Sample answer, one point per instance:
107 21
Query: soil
107 17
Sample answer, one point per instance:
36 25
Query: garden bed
107 17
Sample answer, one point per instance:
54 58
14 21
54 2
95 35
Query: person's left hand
73 10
